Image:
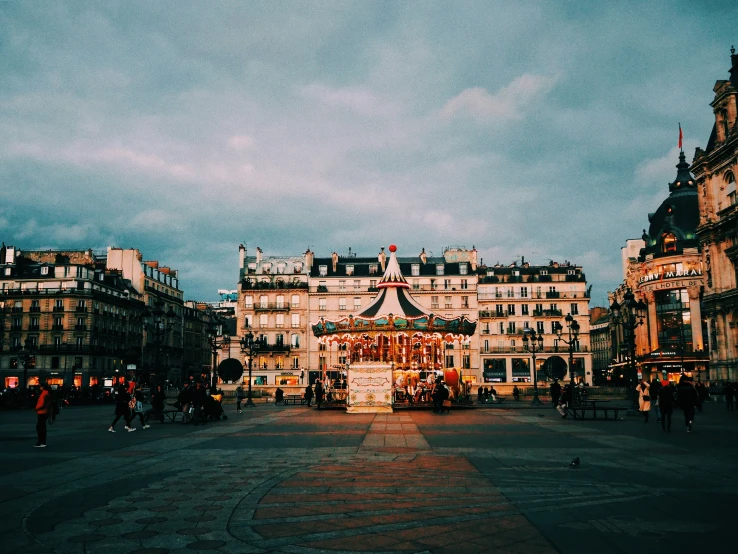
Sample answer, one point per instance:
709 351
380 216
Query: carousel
394 349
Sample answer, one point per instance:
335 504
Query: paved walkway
299 480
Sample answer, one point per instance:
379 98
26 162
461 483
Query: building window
295 321
357 303
280 301
373 284
464 301
342 285
539 327
463 269
322 304
464 284
439 269
511 327
280 321
263 302
373 269
349 270
523 292
415 270
357 284
247 321
434 302
668 242
341 303
323 270
446 284
295 301
447 302
574 309
295 340
511 309
524 309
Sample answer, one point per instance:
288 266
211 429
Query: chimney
308 260
474 259
334 259
423 257
382 258
258 255
241 256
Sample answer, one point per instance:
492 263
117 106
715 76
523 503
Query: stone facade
715 169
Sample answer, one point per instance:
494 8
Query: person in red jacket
43 410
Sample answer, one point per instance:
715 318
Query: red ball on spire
393 248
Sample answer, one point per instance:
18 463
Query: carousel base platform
369 409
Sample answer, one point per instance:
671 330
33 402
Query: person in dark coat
666 406
729 392
655 389
687 399
318 393
184 399
555 392
199 399
278 396
309 394
122 409
157 405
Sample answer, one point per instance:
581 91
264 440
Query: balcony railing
547 313
272 306
80 309
563 352
58 308
80 327
553 294
34 309
57 327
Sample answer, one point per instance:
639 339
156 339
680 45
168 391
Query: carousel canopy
394 309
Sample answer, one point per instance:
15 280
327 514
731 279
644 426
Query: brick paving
299 480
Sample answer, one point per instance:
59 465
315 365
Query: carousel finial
393 248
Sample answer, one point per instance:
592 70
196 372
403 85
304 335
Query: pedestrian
137 407
644 398
184 399
437 397
687 399
43 410
555 393
702 395
564 400
122 409
239 399
516 393
278 396
309 393
157 405
480 394
318 394
655 399
666 405
199 399
728 390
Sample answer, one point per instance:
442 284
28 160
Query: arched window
668 242
730 188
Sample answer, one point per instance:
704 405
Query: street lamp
248 344
216 342
572 341
629 315
27 358
533 342
159 323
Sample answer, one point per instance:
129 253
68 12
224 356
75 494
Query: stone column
695 316
653 326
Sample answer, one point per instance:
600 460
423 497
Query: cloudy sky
538 129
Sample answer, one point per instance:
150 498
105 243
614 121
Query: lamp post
573 339
27 359
533 342
224 342
248 344
628 316
159 323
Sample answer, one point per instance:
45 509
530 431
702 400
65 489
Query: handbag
646 398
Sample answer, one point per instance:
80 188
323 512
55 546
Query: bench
496 400
293 399
579 412
172 414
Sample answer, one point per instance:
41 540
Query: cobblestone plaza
299 480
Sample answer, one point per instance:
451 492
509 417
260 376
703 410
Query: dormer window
415 270
373 269
668 243
490 273
730 188
463 269
45 270
323 270
349 270
439 269
544 272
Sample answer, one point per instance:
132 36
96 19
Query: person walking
309 393
655 389
555 389
687 399
644 399
137 409
666 405
516 393
239 399
184 399
729 392
319 391
199 399
122 409
43 410
564 401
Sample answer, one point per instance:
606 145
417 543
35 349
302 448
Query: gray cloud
523 128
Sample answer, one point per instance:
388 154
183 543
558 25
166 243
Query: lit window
668 242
